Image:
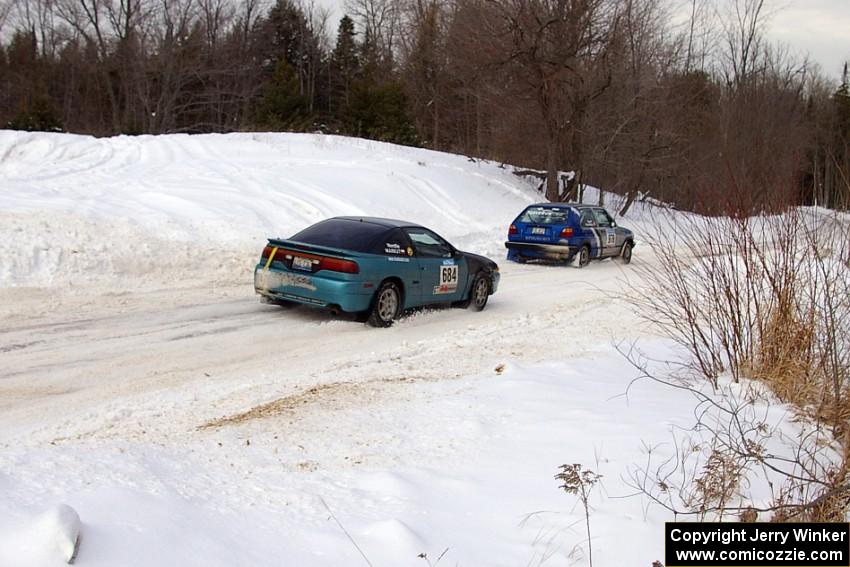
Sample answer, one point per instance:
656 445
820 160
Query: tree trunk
630 198
552 170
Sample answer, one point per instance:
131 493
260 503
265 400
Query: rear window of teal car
343 233
545 215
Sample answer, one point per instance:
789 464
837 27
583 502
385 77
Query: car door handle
415 282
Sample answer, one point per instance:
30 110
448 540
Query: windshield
545 215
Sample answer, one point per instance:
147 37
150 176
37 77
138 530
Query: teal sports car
376 268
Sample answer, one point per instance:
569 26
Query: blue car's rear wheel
626 253
386 306
584 256
515 256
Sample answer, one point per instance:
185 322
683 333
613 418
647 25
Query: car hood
483 260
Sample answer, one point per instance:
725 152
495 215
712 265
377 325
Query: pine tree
380 111
344 66
283 107
841 100
424 70
5 87
291 38
34 110
23 52
39 115
841 145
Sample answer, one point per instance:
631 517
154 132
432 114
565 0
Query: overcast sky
820 28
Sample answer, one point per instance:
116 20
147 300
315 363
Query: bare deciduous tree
379 20
5 10
743 38
554 54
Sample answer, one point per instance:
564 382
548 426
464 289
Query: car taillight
338 265
567 232
324 263
512 230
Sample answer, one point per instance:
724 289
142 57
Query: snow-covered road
181 410
226 408
63 365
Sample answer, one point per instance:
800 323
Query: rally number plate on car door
448 279
448 276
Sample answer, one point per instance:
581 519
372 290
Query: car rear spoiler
311 248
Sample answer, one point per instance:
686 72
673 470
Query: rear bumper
312 290
535 250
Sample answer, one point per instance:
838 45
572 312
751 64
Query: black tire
583 256
479 292
283 303
386 306
626 253
515 256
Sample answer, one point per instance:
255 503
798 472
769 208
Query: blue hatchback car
374 267
560 232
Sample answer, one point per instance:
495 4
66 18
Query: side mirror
613 224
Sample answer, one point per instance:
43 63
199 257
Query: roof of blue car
389 223
575 205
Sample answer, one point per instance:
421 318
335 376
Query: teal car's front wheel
480 292
386 306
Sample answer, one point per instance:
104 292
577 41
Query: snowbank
76 208
49 538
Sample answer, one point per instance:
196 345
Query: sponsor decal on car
393 248
391 259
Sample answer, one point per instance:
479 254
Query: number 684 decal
448 280
448 275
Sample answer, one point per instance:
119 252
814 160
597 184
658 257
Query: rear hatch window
545 215
342 233
543 224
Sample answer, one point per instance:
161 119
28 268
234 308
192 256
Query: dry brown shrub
719 481
766 299
784 356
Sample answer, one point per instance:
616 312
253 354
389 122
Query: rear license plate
538 230
302 263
